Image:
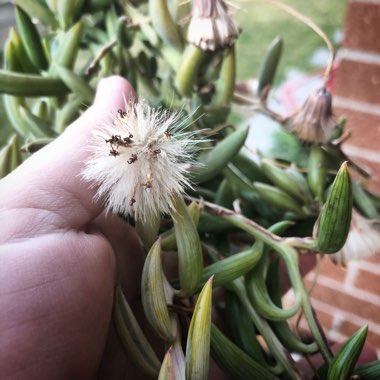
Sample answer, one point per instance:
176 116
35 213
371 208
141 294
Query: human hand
58 259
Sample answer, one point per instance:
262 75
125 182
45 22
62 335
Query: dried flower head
363 240
140 161
314 121
211 26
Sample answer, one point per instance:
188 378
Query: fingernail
115 88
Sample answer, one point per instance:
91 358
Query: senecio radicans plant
177 167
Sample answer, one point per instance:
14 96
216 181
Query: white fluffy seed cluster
140 161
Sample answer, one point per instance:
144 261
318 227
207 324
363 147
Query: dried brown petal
314 121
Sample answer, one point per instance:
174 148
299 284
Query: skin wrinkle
86 210
61 200
38 223
14 330
53 320
84 242
42 282
50 354
22 367
15 292
48 209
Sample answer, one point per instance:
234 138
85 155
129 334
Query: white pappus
140 161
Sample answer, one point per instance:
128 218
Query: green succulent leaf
234 361
31 39
345 359
198 340
190 259
30 85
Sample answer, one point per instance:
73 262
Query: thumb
50 182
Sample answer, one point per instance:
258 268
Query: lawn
262 22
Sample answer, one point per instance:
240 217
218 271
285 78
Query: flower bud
314 121
211 27
334 221
173 365
316 175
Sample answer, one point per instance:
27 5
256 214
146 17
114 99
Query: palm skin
58 258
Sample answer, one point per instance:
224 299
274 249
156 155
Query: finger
50 179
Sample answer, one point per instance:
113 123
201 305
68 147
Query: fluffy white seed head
139 162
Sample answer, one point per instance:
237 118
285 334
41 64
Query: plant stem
290 257
287 254
99 55
276 349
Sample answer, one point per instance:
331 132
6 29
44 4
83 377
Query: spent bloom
211 26
139 162
314 121
363 240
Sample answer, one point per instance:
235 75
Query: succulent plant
221 208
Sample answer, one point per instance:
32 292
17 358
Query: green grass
260 23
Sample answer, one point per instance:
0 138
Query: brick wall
347 298
357 84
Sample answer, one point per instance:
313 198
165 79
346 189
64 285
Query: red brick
365 133
346 302
362 26
331 270
373 168
325 319
359 81
374 259
364 128
368 281
304 330
348 328
345 330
